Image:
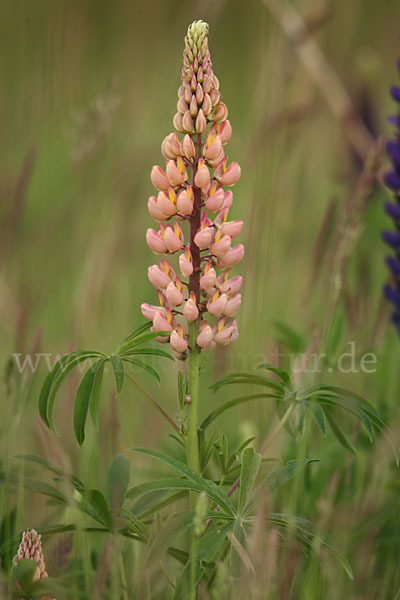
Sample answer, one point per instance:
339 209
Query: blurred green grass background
88 92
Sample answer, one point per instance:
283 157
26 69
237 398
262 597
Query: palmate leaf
207 486
330 397
250 465
86 389
231 403
55 378
304 532
88 393
143 365
247 378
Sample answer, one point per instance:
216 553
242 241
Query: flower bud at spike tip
188 148
201 122
159 179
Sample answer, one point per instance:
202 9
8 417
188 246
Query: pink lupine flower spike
190 188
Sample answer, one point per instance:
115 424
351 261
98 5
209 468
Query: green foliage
88 394
320 401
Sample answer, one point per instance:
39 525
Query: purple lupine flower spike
392 238
191 189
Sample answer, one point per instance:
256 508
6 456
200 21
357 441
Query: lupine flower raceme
191 208
392 238
31 548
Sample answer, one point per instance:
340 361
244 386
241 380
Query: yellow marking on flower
221 324
172 195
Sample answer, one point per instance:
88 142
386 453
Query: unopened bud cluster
191 194
31 548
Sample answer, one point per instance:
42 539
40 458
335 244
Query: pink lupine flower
149 310
157 277
192 198
233 256
201 122
225 334
184 202
231 286
224 129
232 228
190 310
215 198
31 548
178 341
221 245
187 122
208 277
155 242
161 322
230 175
202 177
212 147
173 238
159 179
166 202
173 173
206 335
220 112
174 294
188 148
170 146
217 303
233 305
154 210
178 122
185 263
203 238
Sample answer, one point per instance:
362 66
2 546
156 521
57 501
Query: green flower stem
192 443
